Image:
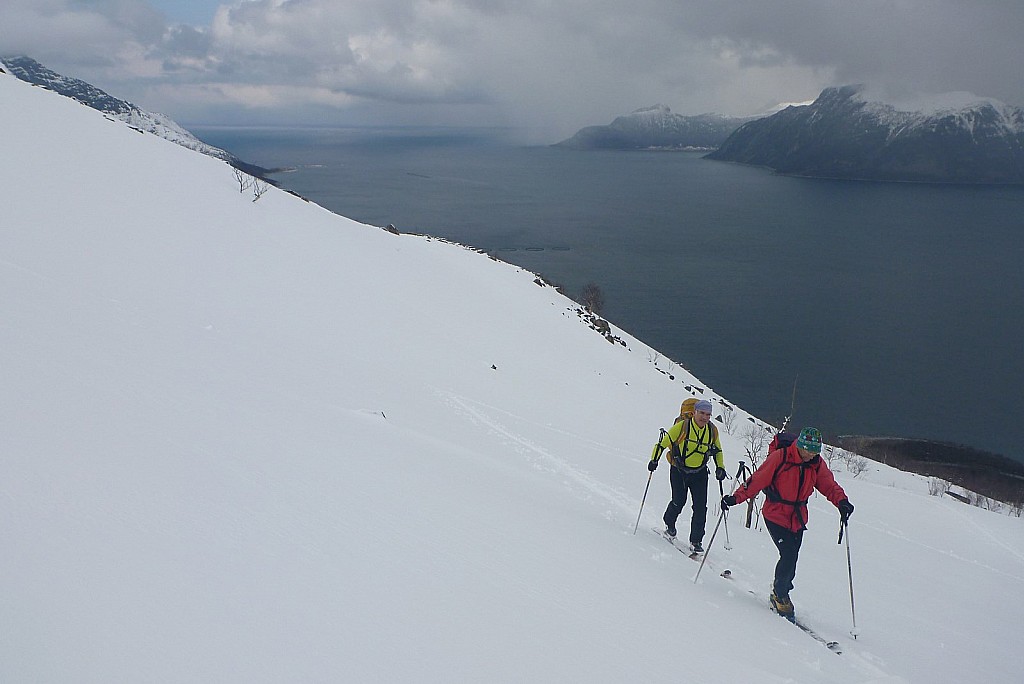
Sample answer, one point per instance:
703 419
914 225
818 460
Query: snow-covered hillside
27 69
258 442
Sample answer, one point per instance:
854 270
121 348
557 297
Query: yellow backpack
686 410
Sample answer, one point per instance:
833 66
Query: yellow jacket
690 446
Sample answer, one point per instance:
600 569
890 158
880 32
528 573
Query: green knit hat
810 439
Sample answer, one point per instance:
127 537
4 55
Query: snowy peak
31 71
927 104
781 106
656 127
962 109
661 116
853 132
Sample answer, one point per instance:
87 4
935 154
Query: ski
681 547
827 643
830 644
684 547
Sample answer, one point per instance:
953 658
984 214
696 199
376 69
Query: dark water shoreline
992 475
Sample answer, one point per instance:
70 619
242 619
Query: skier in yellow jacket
691 444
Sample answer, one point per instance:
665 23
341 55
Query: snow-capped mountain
656 127
847 133
31 71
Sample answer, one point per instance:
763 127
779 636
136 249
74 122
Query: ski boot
783 606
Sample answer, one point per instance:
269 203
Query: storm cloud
536 64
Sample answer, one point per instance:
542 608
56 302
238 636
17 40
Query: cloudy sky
548 66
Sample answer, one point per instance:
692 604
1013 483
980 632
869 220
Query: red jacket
788 482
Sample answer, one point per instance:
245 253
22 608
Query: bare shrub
844 457
857 465
244 180
755 441
250 182
729 419
259 186
592 298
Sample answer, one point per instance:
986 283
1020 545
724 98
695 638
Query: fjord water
895 309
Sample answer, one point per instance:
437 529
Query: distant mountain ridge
658 128
31 71
846 134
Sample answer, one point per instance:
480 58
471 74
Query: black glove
652 465
845 509
728 500
720 474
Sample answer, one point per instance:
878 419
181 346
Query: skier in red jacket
788 478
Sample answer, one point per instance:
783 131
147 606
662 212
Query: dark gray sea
894 309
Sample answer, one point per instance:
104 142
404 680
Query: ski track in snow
963 515
480 414
35 274
950 553
574 436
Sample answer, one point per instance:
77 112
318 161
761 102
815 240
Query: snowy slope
258 442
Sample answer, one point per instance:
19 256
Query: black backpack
781 440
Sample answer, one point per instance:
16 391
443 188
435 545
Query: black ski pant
788 544
696 484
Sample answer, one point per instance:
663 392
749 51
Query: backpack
677 455
686 410
781 440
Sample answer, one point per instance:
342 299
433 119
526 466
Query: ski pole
741 475
712 540
849 567
728 544
708 550
649 476
637 526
